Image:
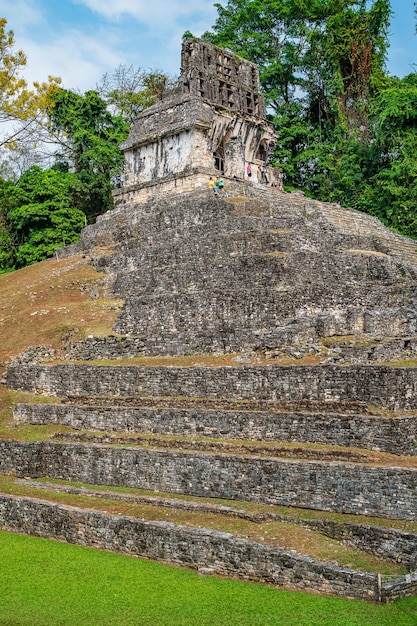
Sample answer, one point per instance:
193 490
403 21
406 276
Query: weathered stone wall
171 155
343 487
386 543
348 351
221 77
382 542
389 434
170 138
215 104
172 219
218 552
199 273
394 388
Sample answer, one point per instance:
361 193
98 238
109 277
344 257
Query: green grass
46 583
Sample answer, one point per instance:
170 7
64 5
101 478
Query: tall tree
272 33
88 137
321 63
7 243
37 216
390 189
349 55
331 51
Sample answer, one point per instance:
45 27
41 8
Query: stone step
354 222
391 542
295 298
287 344
202 250
393 434
379 540
207 248
269 270
214 552
392 388
148 220
335 486
189 403
245 448
241 318
217 231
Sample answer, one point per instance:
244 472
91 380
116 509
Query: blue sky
402 53
80 40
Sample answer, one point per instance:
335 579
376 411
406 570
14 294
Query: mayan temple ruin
291 325
212 123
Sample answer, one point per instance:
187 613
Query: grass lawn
46 583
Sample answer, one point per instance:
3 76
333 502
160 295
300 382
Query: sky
80 40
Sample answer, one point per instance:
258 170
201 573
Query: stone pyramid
316 408
274 279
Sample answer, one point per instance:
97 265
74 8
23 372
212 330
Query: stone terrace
259 272
316 301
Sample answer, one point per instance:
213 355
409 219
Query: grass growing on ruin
47 582
49 302
9 484
9 429
285 534
405 363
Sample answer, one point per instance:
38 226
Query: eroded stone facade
212 123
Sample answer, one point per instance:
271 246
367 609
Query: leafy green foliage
347 132
89 138
46 209
270 33
38 216
390 190
6 238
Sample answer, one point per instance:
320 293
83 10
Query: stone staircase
340 424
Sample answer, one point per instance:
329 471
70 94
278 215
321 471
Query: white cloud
160 13
78 59
80 40
113 10
20 14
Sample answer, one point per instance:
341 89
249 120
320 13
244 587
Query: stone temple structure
294 324
212 123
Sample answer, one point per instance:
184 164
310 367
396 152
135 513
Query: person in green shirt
220 184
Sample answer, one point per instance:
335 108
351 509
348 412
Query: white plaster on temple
212 123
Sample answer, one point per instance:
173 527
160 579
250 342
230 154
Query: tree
37 216
390 191
271 33
88 137
347 131
18 104
350 54
129 90
7 249
320 63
